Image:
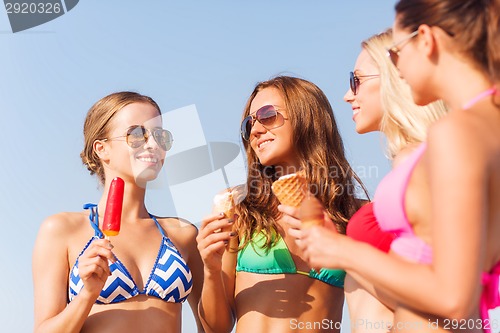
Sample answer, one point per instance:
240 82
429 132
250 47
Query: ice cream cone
290 189
224 203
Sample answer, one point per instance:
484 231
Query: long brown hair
474 25
320 149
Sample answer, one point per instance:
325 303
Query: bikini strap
94 222
94 219
480 96
158 225
169 242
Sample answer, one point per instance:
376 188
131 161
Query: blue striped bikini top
170 278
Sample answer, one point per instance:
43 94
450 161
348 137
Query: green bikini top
278 260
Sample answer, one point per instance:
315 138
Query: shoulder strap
94 219
158 225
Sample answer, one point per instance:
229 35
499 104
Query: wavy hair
320 149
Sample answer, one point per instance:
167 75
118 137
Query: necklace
479 97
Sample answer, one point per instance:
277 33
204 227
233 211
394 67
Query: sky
200 60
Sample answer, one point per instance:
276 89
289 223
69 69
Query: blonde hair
403 122
96 125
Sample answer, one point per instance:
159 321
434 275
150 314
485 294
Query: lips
355 112
263 143
148 158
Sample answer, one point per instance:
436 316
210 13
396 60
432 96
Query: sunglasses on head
138 135
267 115
354 81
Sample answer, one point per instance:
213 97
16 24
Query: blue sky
199 60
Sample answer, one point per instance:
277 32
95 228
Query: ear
101 149
427 41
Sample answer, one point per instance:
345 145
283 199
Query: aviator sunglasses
394 50
138 135
354 81
267 115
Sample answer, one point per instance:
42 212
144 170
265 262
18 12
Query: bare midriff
138 314
282 303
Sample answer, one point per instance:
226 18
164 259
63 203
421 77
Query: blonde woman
443 200
381 101
138 281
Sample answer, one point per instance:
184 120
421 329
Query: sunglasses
394 50
138 135
354 81
267 115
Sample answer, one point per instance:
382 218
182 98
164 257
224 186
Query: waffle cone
290 189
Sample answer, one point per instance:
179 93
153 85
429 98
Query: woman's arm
50 278
196 266
216 307
378 293
450 286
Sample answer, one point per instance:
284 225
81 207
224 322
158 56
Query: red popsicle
114 203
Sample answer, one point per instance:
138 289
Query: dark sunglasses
267 115
394 50
354 81
138 135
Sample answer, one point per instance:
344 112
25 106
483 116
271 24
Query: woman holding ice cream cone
264 284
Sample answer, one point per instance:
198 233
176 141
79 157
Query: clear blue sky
203 57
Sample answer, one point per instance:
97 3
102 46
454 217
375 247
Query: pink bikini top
390 212
490 295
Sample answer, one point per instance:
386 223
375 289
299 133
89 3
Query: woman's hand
321 247
291 218
93 266
319 243
213 237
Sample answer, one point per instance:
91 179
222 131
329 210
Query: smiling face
366 104
274 146
139 164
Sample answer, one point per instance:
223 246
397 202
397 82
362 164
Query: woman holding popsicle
262 281
116 267
443 200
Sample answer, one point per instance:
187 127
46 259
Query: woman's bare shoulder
59 230
63 222
181 232
462 130
178 226
403 154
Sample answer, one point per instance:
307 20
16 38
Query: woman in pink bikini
381 101
443 200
